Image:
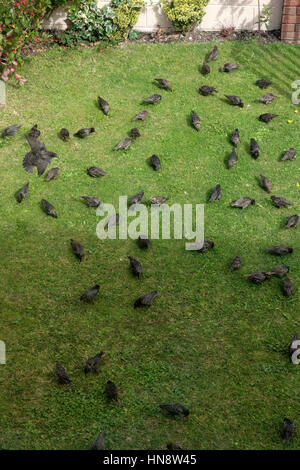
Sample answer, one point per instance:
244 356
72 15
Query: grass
211 339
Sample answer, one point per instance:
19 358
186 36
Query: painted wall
242 14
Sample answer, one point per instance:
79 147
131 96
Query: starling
236 263
62 375
11 130
171 446
229 67
144 242
135 266
293 347
137 198
134 133
112 391
267 99
243 202
280 250
158 200
145 300
99 442
205 69
103 105
235 137
207 245
64 134
195 120
124 144
281 202
175 409
265 183
153 99
279 271
212 55
206 90
215 193
141 116
39 156
155 162
290 154
267 117
92 363
48 208
232 159
254 148
52 174
288 430
288 287
263 83
235 100
95 171
78 249
164 84
90 294
257 277
292 221
34 133
82 133
23 192
91 201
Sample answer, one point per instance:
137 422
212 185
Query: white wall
242 14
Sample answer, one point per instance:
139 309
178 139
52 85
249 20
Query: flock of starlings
40 158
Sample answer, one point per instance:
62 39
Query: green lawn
211 339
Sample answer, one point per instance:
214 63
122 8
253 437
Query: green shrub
185 13
126 15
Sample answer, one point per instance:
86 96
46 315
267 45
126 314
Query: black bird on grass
290 154
171 446
263 83
62 375
144 242
207 245
212 55
254 148
48 208
267 117
267 99
155 162
279 271
153 99
175 409
158 200
258 277
288 287
52 174
112 391
64 134
82 133
124 144
205 69
134 133
236 263
104 106
280 202
280 250
215 193
11 130
145 300
34 132
288 431
207 90
235 100
78 249
99 442
39 156
229 67
195 120
232 159
141 116
235 137
90 294
96 172
137 198
23 192
91 201
292 221
243 202
265 183
135 266
165 84
92 363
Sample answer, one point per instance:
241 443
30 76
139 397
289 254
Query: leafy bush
184 13
126 15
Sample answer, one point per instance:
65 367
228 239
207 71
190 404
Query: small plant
133 35
185 13
126 15
264 17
